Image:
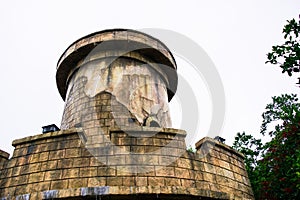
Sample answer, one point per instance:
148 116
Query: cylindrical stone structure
116 78
114 143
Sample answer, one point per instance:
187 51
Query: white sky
235 34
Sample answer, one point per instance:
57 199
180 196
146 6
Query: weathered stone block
184 163
49 165
70 173
209 177
107 171
22 161
164 171
182 173
73 153
36 177
116 160
16 171
209 168
158 181
77 183
99 181
203 185
34 158
24 170
55 155
44 156
129 181
141 181
53 175
35 167
228 174
114 181
59 184
146 170
64 163
128 170
187 183
81 162
224 164
172 181
88 172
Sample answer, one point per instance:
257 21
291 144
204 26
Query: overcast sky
235 34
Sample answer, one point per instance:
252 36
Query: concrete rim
146 44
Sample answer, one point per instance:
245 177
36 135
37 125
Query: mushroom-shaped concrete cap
118 40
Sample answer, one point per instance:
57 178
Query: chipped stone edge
49 135
219 144
4 154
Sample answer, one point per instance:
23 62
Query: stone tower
116 140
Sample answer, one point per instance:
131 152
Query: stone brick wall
224 169
58 164
103 110
39 161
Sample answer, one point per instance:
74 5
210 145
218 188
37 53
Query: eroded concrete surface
135 85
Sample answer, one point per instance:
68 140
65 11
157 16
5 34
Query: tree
274 168
252 149
279 165
287 55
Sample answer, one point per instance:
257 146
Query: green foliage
191 149
281 159
252 149
284 109
274 168
287 55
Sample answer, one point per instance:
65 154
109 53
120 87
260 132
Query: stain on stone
94 191
23 197
30 149
109 75
50 194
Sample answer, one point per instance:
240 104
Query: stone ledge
219 144
4 154
148 130
49 135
